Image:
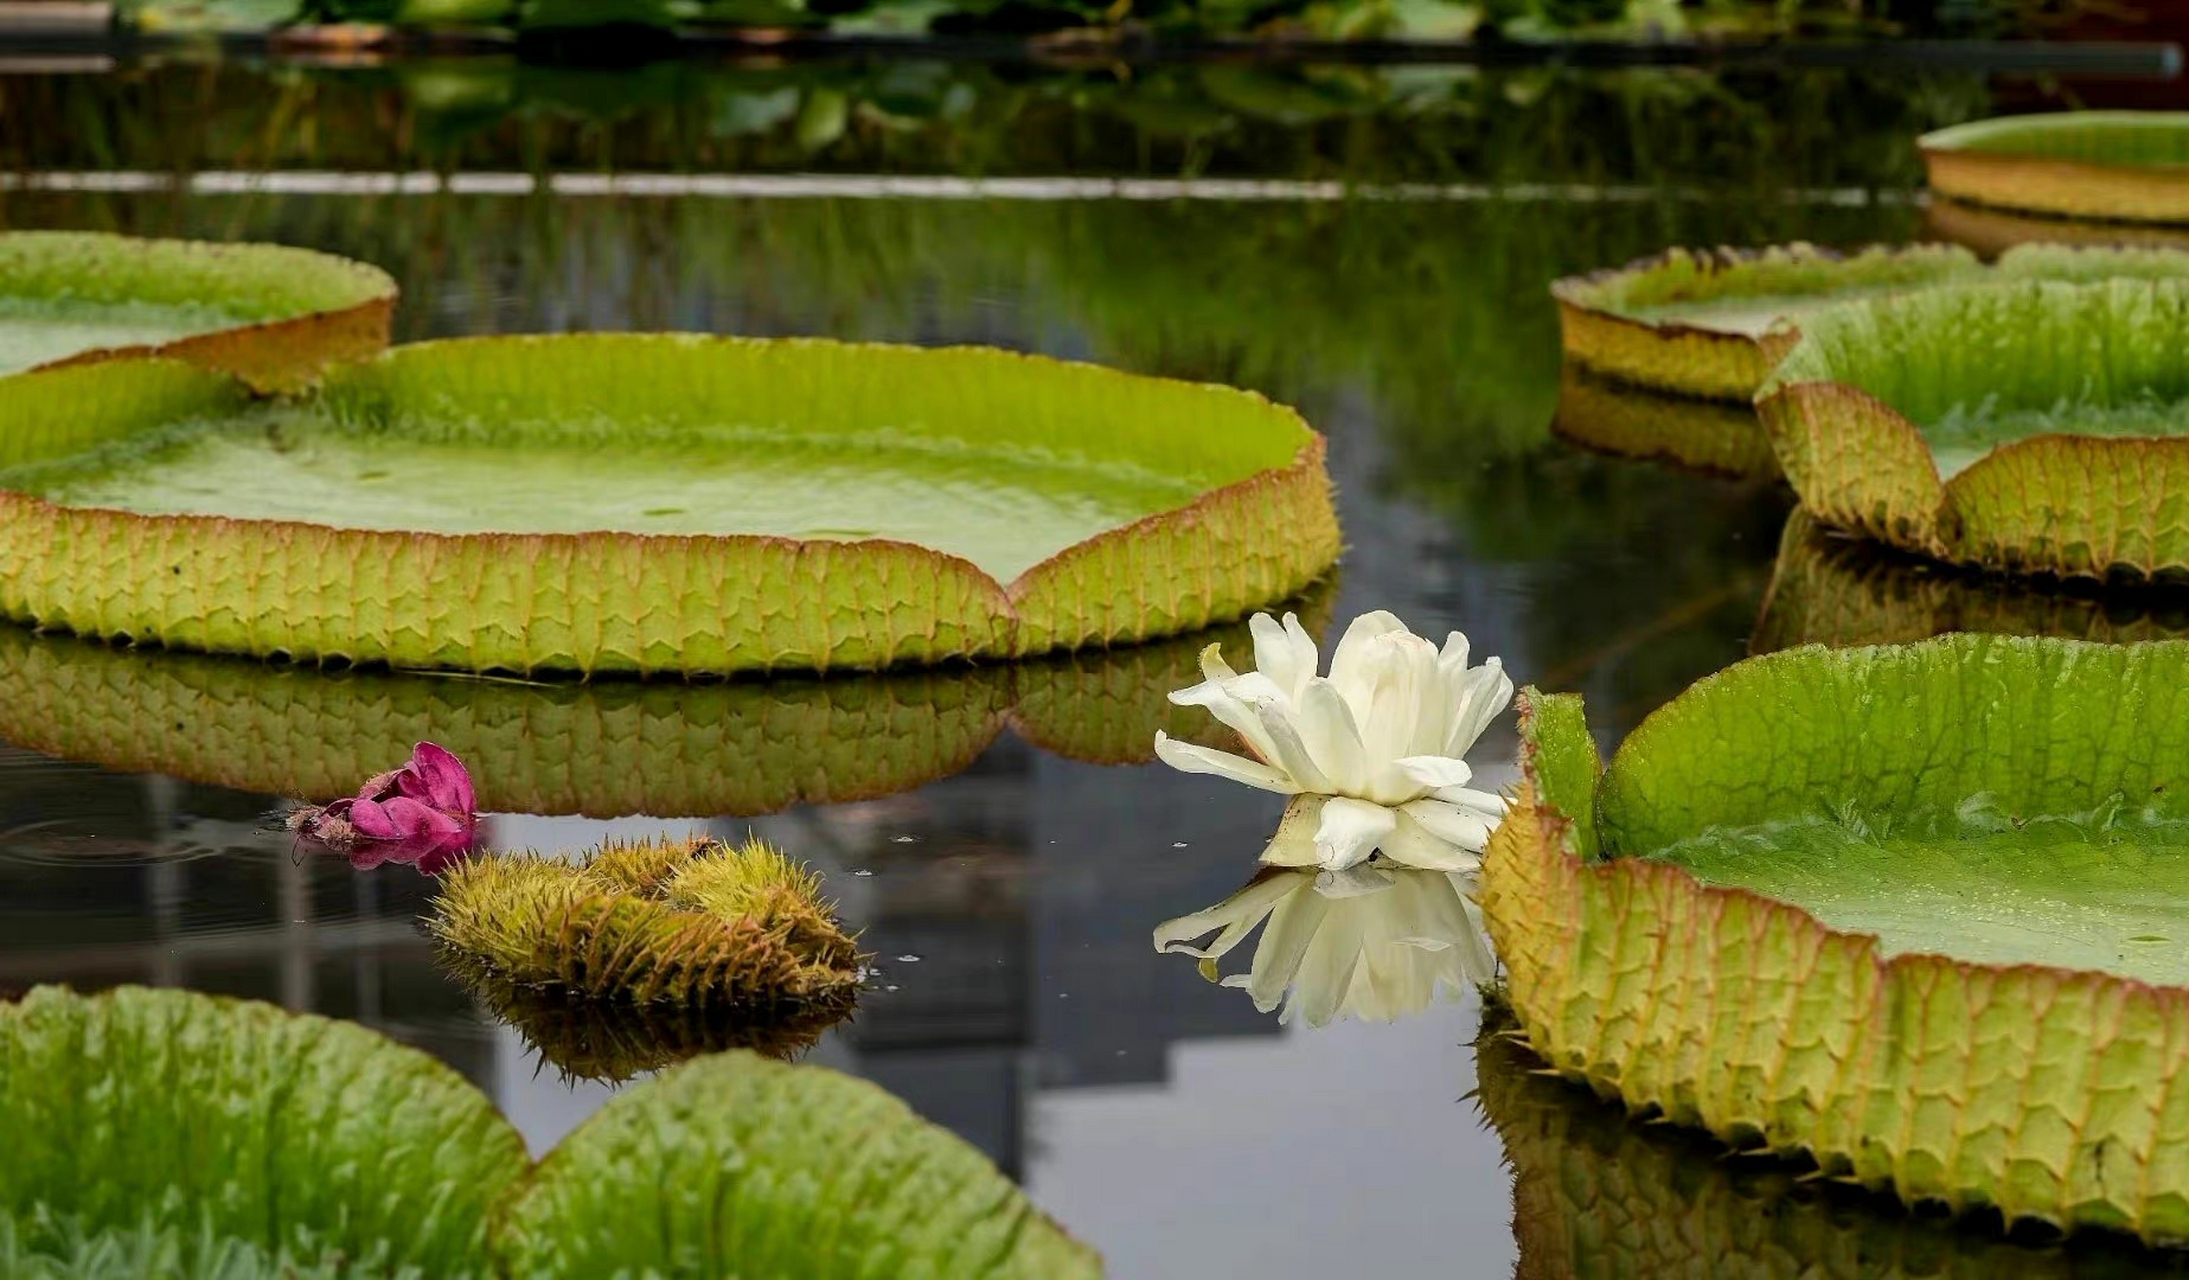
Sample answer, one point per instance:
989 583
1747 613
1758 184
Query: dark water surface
1008 888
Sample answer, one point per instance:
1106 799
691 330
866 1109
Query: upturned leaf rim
2069 164
1600 332
1723 1009
652 603
315 309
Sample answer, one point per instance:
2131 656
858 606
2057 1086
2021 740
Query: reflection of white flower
1368 943
1372 750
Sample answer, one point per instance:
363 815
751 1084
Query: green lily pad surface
656 503
233 1129
2034 425
171 1133
1689 322
1910 911
2129 166
1004 509
270 313
2103 889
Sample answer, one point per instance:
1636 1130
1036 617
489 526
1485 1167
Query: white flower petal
1294 843
1414 846
1283 651
1452 658
1189 757
1435 773
1488 805
1286 750
1235 916
1213 667
1451 824
1350 831
1485 694
1349 668
1328 731
1227 700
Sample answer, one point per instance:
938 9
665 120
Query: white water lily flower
1370 943
1372 750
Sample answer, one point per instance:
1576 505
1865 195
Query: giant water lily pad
598 748
226 1128
1914 912
1598 1195
1693 322
2035 426
272 314
2129 166
1830 589
654 503
734 1165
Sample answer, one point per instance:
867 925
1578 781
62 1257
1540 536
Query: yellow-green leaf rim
590 603
294 311
2049 1094
1852 408
1605 328
2118 166
1598 1196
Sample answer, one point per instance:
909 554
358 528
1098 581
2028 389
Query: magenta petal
447 783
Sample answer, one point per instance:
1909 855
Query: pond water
1009 891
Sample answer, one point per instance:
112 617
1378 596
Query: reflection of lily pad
603 748
1690 322
1991 232
1914 912
2032 425
1598 1196
2126 166
1634 422
1829 589
272 314
643 503
191 1116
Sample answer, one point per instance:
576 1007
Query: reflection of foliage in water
1433 312
1597 1195
1657 125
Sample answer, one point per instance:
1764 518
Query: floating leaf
1598 1195
2008 813
149 1123
1690 322
273 315
2122 166
765 506
734 1165
2032 425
